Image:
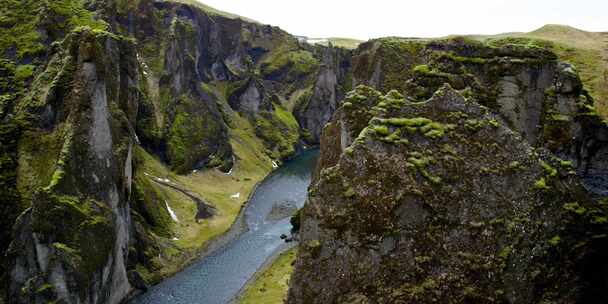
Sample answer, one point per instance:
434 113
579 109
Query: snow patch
173 215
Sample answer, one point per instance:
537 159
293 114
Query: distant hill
214 11
346 43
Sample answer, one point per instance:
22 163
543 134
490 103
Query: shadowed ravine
217 278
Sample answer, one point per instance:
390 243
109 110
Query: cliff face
334 79
534 93
440 201
98 96
72 244
89 90
471 173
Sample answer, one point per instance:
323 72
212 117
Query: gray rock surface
439 202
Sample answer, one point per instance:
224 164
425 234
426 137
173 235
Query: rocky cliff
76 151
534 93
94 93
464 178
112 110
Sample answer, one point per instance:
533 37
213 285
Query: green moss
296 62
426 126
418 162
42 157
554 241
423 68
575 208
279 130
192 136
394 137
409 122
417 291
541 184
313 244
44 288
10 199
85 235
600 220
24 72
349 193
381 130
397 58
285 117
465 59
515 165
505 252
473 125
20 22
56 178
349 151
566 164
433 130
550 171
76 13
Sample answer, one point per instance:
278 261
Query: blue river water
218 277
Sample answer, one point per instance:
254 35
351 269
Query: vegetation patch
271 285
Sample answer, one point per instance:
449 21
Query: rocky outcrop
87 91
72 244
534 93
251 98
89 88
440 201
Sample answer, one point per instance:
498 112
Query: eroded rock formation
441 201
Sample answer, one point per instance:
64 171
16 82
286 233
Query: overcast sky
422 18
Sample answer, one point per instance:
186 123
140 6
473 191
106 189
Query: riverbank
270 283
186 238
229 260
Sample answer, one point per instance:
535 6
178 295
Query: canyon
453 170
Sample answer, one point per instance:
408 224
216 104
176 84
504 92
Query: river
218 277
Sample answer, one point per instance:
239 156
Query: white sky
421 18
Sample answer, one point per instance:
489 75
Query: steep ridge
100 99
72 243
474 172
535 94
440 201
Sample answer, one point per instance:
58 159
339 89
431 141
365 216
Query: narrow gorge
138 140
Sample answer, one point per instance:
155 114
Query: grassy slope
270 286
251 166
213 11
588 51
346 43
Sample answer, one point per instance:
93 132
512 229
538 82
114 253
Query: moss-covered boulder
440 201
